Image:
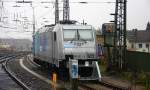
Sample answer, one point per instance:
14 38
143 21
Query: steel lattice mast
1 10
66 10
56 12
119 55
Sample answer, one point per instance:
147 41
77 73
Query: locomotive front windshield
75 35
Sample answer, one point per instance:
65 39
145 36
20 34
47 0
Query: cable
7 27
92 2
82 2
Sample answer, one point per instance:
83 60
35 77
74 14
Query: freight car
56 45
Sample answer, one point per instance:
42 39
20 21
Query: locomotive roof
77 27
46 28
64 26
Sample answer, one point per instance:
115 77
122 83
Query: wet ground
6 83
33 82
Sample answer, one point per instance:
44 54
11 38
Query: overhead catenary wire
7 27
83 2
52 2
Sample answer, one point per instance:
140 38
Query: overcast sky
138 14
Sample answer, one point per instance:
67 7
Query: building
139 40
16 44
4 47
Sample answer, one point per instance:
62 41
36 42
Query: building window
147 45
140 45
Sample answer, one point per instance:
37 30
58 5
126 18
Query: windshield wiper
73 39
83 40
80 38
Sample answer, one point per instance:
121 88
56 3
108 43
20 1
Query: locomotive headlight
86 63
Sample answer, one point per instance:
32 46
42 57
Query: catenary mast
66 10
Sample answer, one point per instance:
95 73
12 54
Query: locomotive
55 45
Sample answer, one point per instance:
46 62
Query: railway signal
115 37
108 32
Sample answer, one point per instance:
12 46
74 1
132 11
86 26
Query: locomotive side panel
49 52
41 54
46 54
43 46
58 45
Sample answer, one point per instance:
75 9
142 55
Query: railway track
109 86
86 87
103 85
4 59
114 87
28 75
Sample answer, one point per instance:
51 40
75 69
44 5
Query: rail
105 84
4 65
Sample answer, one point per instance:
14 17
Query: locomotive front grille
85 71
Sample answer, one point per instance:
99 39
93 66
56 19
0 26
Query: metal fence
138 61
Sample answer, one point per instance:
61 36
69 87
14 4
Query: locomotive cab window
78 34
69 34
86 34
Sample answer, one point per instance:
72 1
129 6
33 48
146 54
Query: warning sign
74 68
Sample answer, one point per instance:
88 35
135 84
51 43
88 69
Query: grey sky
138 14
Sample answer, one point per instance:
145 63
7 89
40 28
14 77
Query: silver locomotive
56 45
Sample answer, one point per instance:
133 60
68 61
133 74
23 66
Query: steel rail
106 84
114 87
19 82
